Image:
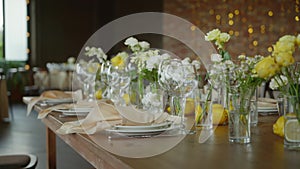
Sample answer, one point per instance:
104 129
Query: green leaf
226 55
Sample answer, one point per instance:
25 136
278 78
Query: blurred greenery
14 78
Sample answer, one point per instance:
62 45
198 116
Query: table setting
147 93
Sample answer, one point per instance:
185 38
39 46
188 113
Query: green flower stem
205 108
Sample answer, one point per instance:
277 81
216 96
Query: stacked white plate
79 111
267 105
58 101
153 129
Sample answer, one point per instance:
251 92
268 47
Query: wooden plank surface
265 150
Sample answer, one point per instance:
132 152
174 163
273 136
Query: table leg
51 148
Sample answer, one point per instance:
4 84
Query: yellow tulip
266 68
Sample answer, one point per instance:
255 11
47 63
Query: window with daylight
15 30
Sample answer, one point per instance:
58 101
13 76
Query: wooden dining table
266 149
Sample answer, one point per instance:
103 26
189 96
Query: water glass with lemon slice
292 124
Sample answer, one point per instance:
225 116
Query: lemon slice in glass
292 130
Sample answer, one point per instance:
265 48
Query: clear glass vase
239 116
292 123
139 88
203 109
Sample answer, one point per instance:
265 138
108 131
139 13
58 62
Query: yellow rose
282 46
284 58
288 39
266 68
117 61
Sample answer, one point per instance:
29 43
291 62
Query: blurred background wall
58 29
254 25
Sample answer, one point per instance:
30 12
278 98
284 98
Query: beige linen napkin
266 103
105 115
101 117
53 94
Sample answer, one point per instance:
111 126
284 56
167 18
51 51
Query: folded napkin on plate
106 115
95 119
267 100
266 103
53 94
79 104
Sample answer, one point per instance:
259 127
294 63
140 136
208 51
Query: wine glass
179 80
86 74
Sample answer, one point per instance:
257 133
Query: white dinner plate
136 132
145 127
267 110
58 101
267 100
74 111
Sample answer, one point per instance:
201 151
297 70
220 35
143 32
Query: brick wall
254 25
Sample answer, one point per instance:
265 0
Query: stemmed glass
179 80
86 74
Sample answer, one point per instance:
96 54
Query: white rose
216 58
224 37
131 41
152 62
213 35
71 60
144 45
273 84
242 57
276 82
197 64
186 61
165 56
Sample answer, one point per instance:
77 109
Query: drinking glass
103 79
118 79
86 74
291 123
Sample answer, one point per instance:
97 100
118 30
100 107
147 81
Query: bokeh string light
254 25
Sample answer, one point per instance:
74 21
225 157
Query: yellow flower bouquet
282 69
